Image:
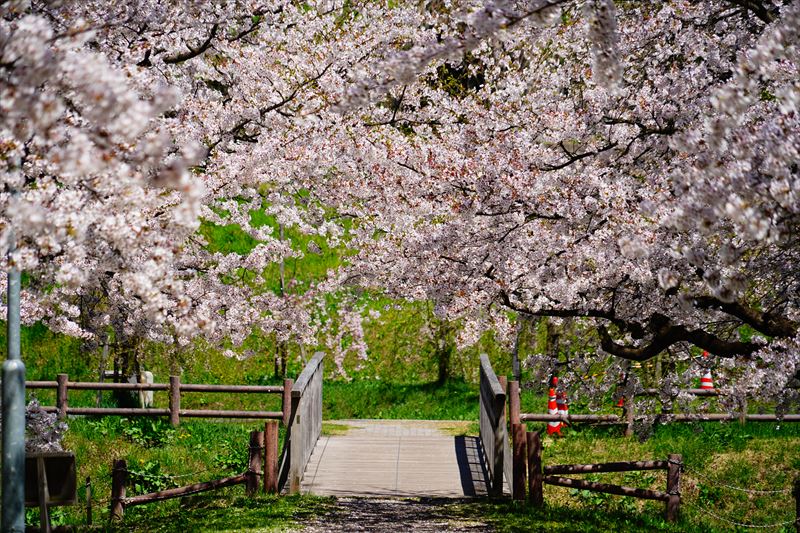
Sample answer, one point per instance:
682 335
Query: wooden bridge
395 458
411 458
380 458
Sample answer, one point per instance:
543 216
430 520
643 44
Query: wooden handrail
305 376
492 420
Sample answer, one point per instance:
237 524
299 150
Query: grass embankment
755 456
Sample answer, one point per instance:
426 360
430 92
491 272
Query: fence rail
539 475
175 388
677 417
261 442
627 417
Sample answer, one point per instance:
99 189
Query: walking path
380 515
396 458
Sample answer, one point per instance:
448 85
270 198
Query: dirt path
425 515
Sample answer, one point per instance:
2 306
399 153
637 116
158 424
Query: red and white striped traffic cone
563 408
707 381
553 426
621 402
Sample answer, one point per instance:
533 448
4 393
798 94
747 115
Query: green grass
454 400
225 510
755 456
157 455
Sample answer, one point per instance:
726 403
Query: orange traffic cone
563 408
553 426
707 381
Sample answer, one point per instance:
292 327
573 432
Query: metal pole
13 518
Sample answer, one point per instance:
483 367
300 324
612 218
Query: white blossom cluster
629 165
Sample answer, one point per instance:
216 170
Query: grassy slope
394 383
755 455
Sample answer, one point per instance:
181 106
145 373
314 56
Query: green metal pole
13 517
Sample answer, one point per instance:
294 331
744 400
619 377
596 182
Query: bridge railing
305 423
494 435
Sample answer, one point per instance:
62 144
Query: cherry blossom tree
634 169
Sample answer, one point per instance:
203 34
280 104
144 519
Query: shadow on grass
225 512
509 516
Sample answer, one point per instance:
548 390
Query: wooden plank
396 458
119 478
114 411
259 389
493 382
184 491
306 424
186 387
307 374
41 384
535 478
519 468
61 396
255 415
175 400
606 487
673 487
286 404
88 501
696 392
513 402
680 417
621 466
505 441
271 457
90 385
492 422
254 462
44 495
542 417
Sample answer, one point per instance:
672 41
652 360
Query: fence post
629 414
675 462
535 493
271 457
743 412
119 477
61 396
513 402
287 401
797 504
254 462
518 469
175 400
88 501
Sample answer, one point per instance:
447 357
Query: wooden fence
305 423
493 431
628 414
522 463
539 475
175 388
261 442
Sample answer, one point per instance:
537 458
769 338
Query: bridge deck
400 458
